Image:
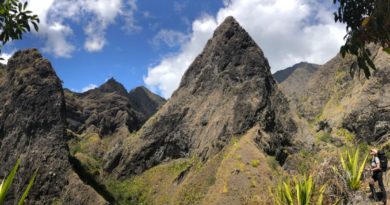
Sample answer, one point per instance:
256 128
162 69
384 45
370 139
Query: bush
255 163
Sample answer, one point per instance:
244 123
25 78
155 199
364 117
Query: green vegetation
352 167
302 192
271 161
348 136
255 163
324 136
15 20
138 190
367 22
6 184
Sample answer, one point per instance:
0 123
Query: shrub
6 184
255 163
302 192
324 136
352 167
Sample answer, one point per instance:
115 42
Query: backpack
383 160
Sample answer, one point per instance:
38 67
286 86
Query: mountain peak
230 56
226 91
111 85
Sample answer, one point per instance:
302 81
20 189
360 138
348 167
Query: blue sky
151 43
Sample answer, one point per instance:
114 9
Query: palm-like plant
301 194
6 184
352 167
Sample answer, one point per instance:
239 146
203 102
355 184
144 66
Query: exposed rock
293 80
77 193
32 125
104 110
109 109
145 102
361 106
369 109
32 128
292 74
227 90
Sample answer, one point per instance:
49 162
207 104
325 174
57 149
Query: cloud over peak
287 31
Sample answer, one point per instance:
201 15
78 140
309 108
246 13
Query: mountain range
227 134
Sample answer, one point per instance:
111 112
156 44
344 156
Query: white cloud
287 31
169 37
56 43
167 74
6 56
89 87
94 15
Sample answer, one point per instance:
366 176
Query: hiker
377 175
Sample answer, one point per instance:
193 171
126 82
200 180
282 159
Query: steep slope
302 69
359 105
293 80
109 109
2 71
104 110
145 102
227 90
32 128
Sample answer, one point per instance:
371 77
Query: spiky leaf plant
6 184
300 194
353 167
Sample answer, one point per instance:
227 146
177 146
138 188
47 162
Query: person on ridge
377 175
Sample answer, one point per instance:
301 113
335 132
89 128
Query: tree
367 21
15 20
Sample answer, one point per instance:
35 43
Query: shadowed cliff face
32 125
227 90
145 102
32 128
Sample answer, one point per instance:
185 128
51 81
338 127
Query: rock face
145 102
302 69
32 125
227 90
32 128
109 109
292 80
357 104
369 114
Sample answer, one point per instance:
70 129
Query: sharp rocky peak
229 57
227 90
112 85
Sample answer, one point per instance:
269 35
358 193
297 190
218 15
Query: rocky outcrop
293 80
32 128
227 90
145 102
104 110
302 69
109 109
369 105
32 125
355 103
